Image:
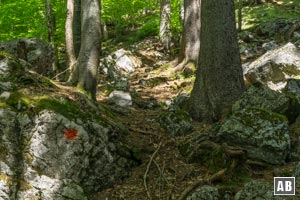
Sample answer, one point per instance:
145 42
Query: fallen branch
57 75
147 170
215 177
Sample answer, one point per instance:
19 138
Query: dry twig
215 177
147 170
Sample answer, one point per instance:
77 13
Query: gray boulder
259 190
297 174
274 67
265 98
61 154
35 51
176 122
205 192
120 98
263 134
118 63
52 157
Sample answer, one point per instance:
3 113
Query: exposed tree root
147 170
215 177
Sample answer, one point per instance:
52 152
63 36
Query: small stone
5 95
121 98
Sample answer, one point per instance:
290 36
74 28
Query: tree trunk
165 24
88 59
240 19
190 42
71 58
77 27
51 33
219 79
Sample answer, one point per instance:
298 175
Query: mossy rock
262 133
261 97
176 122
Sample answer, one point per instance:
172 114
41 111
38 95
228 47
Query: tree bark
50 17
219 79
190 42
165 24
88 59
77 27
71 58
240 17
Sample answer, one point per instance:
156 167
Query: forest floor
164 173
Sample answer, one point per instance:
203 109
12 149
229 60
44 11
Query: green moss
5 178
269 115
4 54
28 158
18 101
25 185
62 106
3 153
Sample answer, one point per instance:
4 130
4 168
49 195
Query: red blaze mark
71 134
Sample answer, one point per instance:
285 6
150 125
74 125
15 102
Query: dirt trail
167 175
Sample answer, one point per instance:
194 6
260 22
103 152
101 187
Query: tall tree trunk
51 33
88 59
77 27
165 24
219 79
190 42
240 19
71 58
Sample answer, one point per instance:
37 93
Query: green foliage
27 18
265 12
176 23
151 28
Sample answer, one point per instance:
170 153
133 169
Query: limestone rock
38 154
35 51
120 98
274 67
259 190
205 192
263 134
176 122
265 98
119 62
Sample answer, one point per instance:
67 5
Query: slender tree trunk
165 24
190 42
219 79
71 58
51 33
77 27
88 59
240 17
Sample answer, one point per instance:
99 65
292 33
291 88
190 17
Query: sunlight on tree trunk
71 59
190 42
88 59
165 34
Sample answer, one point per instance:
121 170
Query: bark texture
77 27
190 42
71 58
165 23
51 24
219 80
88 59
